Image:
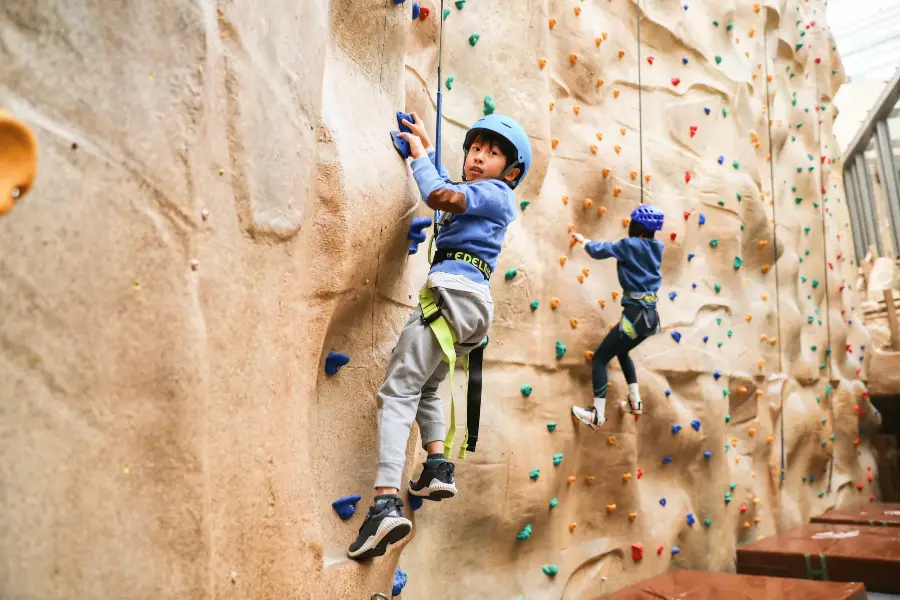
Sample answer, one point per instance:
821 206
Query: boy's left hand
416 149
418 129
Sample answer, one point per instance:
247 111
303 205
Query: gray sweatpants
414 372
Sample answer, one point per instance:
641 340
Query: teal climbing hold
815 283
725 392
806 230
550 570
719 344
730 26
534 305
526 390
716 22
721 203
713 243
560 349
460 4
731 486
553 502
724 112
557 459
450 79
446 13
511 274
809 320
738 261
800 45
728 418
525 533
534 474
729 333
736 165
707 522
739 197
489 106
719 61
551 427
727 447
524 204
718 320
717 287
473 39
803 279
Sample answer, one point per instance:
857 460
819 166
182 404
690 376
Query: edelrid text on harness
432 317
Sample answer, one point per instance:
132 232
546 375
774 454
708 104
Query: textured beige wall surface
218 206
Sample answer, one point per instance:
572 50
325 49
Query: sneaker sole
589 424
437 490
390 531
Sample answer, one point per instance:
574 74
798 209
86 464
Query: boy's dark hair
490 138
636 229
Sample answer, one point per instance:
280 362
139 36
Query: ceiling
868 36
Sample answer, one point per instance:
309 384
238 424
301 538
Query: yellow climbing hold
600 137
764 297
773 341
769 440
748 317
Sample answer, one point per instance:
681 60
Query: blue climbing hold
717 374
684 60
694 284
334 361
707 454
691 256
668 393
705 338
662 501
400 144
695 424
701 219
399 582
707 110
676 336
721 160
415 502
690 519
862 346
676 428
416 233
399 1
346 507
675 550
673 295
666 460
416 9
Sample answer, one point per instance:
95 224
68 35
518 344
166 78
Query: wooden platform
863 553
887 515
698 585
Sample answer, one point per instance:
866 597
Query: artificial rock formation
218 207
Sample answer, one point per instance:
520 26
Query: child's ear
512 174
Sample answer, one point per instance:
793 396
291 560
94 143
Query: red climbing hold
673 235
859 486
650 59
675 81
687 215
865 393
687 176
818 61
424 12
637 552
659 549
693 130
858 409
856 442
640 472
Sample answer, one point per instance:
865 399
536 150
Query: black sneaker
383 526
435 482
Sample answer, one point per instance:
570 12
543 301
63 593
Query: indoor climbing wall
201 290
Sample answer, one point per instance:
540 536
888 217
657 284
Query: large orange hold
18 157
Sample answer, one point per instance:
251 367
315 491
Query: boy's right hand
418 129
578 238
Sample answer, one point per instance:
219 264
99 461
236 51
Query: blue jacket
638 263
490 208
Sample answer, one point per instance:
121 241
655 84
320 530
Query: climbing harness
479 263
774 246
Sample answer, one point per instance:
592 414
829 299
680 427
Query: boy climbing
476 215
639 257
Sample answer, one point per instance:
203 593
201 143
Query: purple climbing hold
666 460
416 233
345 507
701 220
685 7
695 424
690 519
334 361
694 285
416 10
676 336
717 374
672 295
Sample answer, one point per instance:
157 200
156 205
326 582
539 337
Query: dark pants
637 324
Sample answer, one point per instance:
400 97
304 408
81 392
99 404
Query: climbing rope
637 8
440 111
774 245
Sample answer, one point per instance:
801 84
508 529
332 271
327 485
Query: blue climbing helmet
649 216
514 134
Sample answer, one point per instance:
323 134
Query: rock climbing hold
738 261
650 59
577 11
687 176
690 257
534 474
718 288
460 4
610 507
550 570
668 392
524 204
473 39
721 160
701 220
662 501
416 233
728 418
534 305
346 507
717 374
511 274
632 516
560 349
684 60
424 12
416 9
621 54
676 336
589 479
640 473
611 440
553 502
705 338
673 295
400 579
707 454
334 361
666 460
675 429
554 302
637 551
695 424
690 519
542 62
526 390
557 459
489 106
551 427
675 82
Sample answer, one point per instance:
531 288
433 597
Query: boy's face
486 161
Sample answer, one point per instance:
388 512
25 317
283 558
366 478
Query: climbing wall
218 207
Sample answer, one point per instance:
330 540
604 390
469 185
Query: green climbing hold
707 522
460 4
798 200
718 60
815 205
526 390
718 320
731 486
450 79
473 39
550 570
511 274
524 204
813 347
557 459
724 112
736 165
534 474
803 278
713 243
831 437
489 106
812 478
721 203
719 344
742 226
717 287
728 418
799 169
525 533
807 251
534 305
824 443
739 197
725 392
800 45
828 390
815 283
738 261
727 447
729 333
821 494
794 102
730 26
560 349
794 187
806 230
553 502
716 22
446 13
551 427
809 320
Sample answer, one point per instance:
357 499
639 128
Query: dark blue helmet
649 216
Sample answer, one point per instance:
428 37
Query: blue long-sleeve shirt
638 263
490 208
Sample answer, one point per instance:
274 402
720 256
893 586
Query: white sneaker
632 407
589 417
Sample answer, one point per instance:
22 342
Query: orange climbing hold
763 337
552 106
610 507
571 526
598 41
765 268
577 11
611 440
588 203
585 271
633 175
599 137
632 516
751 432
602 303
565 201
647 178
773 341
752 32
769 439
616 191
615 93
594 148
580 279
615 294
588 354
761 363
599 83
621 54
571 228
764 297
554 302
601 211
552 22
748 317
589 479
573 58
605 173
757 8
617 148
626 477
562 260
625 222
742 390
554 143
763 243
576 109
622 131
18 155
573 323
542 62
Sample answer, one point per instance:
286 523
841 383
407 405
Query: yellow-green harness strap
432 316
